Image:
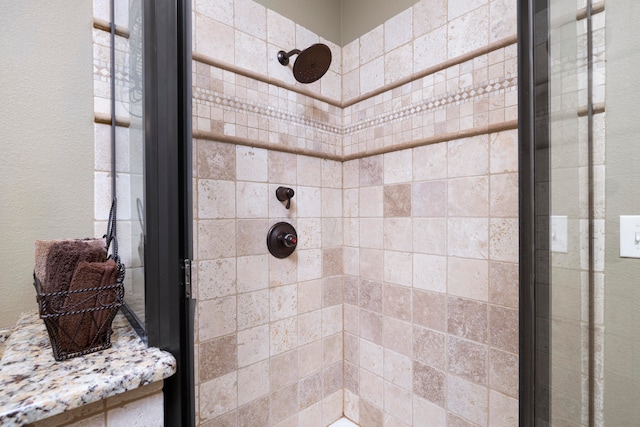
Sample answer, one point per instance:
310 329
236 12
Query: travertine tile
398 30
371 263
427 15
284 403
255 413
468 197
371 201
397 369
216 199
217 317
504 195
332 291
251 236
371 233
252 273
371 388
253 309
283 302
216 239
468 237
282 166
309 327
309 296
467 360
429 347
503 327
217 357
429 235
369 414
310 390
396 335
397 200
218 396
332 262
396 302
503 372
371 171
430 309
468 278
309 264
467 400
429 383
370 295
468 32
253 345
430 272
253 382
504 239
283 335
371 45
309 359
217 278
468 157
332 349
430 49
283 370
332 379
467 319
311 416
429 199
397 234
503 284
371 326
426 414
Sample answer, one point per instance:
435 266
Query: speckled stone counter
35 386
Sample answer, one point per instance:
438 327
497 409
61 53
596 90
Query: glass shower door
587 293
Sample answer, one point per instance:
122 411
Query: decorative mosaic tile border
245 106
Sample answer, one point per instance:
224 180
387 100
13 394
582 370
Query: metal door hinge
186 267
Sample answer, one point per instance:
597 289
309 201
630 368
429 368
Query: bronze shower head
311 63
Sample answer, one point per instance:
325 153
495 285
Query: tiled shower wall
406 210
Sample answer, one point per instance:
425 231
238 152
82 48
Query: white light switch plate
558 233
630 236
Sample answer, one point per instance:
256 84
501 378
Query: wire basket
79 321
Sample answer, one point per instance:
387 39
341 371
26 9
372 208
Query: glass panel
130 151
593 334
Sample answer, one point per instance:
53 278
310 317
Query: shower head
311 63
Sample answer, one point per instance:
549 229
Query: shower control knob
289 240
282 240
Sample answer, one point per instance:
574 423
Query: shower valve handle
285 193
288 240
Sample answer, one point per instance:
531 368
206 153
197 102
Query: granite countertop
35 386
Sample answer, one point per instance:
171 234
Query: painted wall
340 21
46 167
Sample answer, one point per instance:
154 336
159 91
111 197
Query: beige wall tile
217 317
430 162
429 199
216 199
429 347
430 272
430 309
310 391
503 327
251 164
504 284
468 237
311 416
371 389
427 15
396 335
397 403
503 372
503 410
369 414
370 326
332 379
216 239
504 195
371 45
397 200
468 157
469 31
309 202
283 335
469 197
282 166
253 345
396 302
331 320
218 396
430 49
429 383
468 278
284 403
283 302
309 296
467 400
504 239
284 370
332 291
467 360
207 31
217 357
254 413
397 234
253 382
251 236
252 200
309 327
398 268
253 309
216 278
467 319
309 171
252 273
429 235
504 151
309 359
398 30
426 414
309 264
332 407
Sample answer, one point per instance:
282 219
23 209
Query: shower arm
283 57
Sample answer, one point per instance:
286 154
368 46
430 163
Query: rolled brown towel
63 258
78 331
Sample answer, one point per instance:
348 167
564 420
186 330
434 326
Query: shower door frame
169 307
533 168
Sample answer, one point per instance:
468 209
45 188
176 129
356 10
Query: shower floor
343 422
